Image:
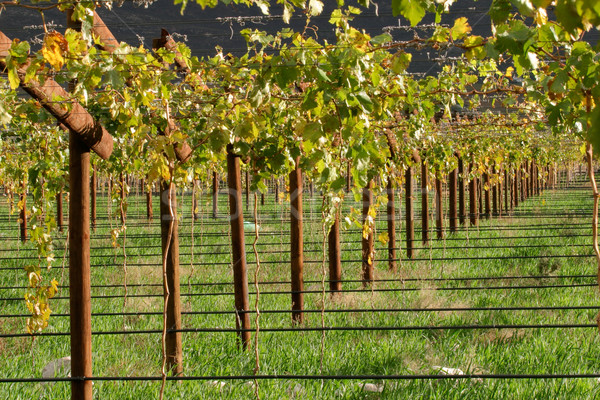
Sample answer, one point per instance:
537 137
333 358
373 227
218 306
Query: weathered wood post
368 253
486 187
93 196
452 209
335 256
240 274
439 208
215 194
424 204
59 210
391 224
23 211
149 211
473 215
169 228
410 212
297 243
462 209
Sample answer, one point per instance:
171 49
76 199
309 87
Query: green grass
497 248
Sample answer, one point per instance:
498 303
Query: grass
531 244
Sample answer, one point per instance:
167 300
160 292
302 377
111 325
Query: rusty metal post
439 208
410 212
169 230
368 253
335 257
297 243
424 204
391 224
240 273
452 211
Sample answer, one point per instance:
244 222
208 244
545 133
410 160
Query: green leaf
381 39
410 9
401 61
499 11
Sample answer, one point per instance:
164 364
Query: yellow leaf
460 29
53 49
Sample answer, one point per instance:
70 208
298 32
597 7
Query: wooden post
462 209
335 257
247 189
452 211
424 204
149 211
122 211
473 215
506 190
276 183
195 199
23 212
79 268
439 208
391 224
59 210
94 195
494 194
480 196
516 176
170 248
297 243
368 254
485 187
215 194
348 177
240 274
410 213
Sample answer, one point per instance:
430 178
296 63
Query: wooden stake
79 268
94 195
439 208
335 257
240 274
424 204
452 211
59 210
215 195
368 253
391 224
297 243
473 215
23 212
462 209
410 213
169 229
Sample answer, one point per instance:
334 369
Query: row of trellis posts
86 133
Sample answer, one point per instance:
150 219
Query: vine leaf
55 45
410 9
